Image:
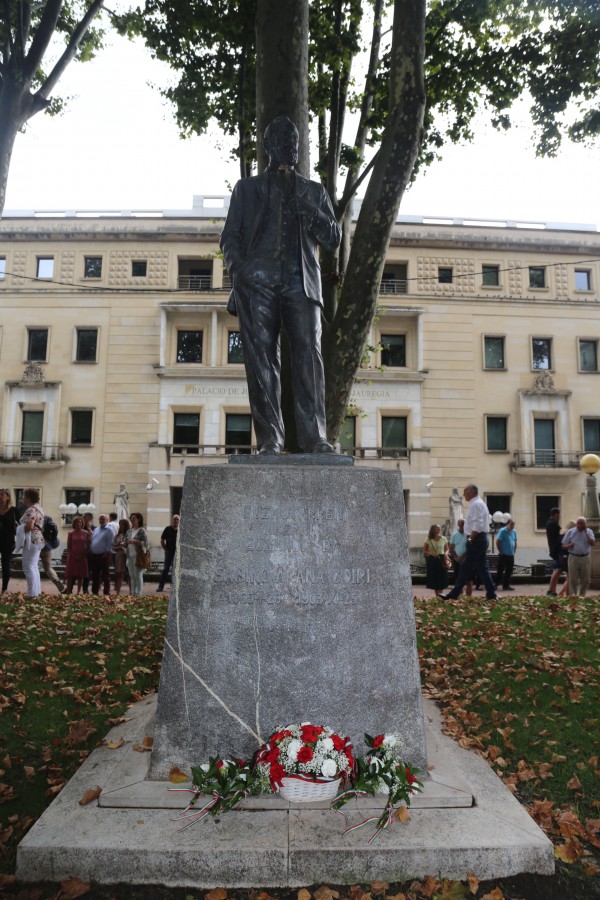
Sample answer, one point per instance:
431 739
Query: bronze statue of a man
276 222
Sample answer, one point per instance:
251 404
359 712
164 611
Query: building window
194 274
537 276
393 436
394 280
87 345
591 435
92 267
186 432
583 280
588 355
444 275
238 432
45 266
490 276
2 267
498 503
545 448
543 504
81 426
493 353
235 353
32 433
139 268
37 344
496 433
541 353
347 436
393 350
76 496
189 346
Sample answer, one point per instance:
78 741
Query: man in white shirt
477 527
578 542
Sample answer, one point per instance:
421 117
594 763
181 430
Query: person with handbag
435 551
138 553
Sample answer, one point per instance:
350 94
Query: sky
116 147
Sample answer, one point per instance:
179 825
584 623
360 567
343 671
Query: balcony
548 460
32 452
194 282
393 286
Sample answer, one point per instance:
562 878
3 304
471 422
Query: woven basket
300 791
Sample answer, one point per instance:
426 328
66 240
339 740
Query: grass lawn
517 681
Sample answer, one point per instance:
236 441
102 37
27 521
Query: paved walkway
524 590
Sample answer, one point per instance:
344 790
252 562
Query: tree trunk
282 90
282 70
12 119
347 334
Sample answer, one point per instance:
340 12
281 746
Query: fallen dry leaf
216 893
114 745
178 776
574 784
379 887
74 887
90 794
303 894
473 882
402 814
326 893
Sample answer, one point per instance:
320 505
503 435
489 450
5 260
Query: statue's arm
231 236
322 224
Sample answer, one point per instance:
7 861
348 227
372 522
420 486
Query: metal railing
30 450
232 449
547 459
201 283
393 286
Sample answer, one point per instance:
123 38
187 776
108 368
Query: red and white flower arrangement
306 752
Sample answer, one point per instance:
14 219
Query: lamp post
590 464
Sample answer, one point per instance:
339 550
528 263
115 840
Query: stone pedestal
292 602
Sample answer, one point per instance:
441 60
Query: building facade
120 363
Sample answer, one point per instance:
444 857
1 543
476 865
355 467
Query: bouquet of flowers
226 781
382 771
304 753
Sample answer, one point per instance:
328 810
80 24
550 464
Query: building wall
136 386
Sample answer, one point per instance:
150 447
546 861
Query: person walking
477 527
33 523
458 550
506 543
9 520
578 542
559 559
77 555
168 541
101 543
88 525
435 551
46 560
136 537
120 553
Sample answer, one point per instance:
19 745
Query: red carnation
220 764
310 733
338 742
279 736
409 776
273 755
305 754
277 773
378 741
241 762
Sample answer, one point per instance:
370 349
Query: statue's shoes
270 450
322 447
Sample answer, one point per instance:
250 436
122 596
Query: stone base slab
465 821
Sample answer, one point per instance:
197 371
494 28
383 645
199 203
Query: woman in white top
136 537
33 522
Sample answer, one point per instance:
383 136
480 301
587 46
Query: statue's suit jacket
249 204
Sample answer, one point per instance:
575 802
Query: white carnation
292 749
390 740
326 744
329 769
205 767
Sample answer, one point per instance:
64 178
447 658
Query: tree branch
42 38
70 51
351 188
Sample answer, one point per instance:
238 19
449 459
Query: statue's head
281 142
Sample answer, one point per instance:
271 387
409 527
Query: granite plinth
467 821
292 602
292 459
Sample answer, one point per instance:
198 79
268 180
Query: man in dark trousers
168 541
554 537
276 222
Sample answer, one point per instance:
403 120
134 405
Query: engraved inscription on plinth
292 602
